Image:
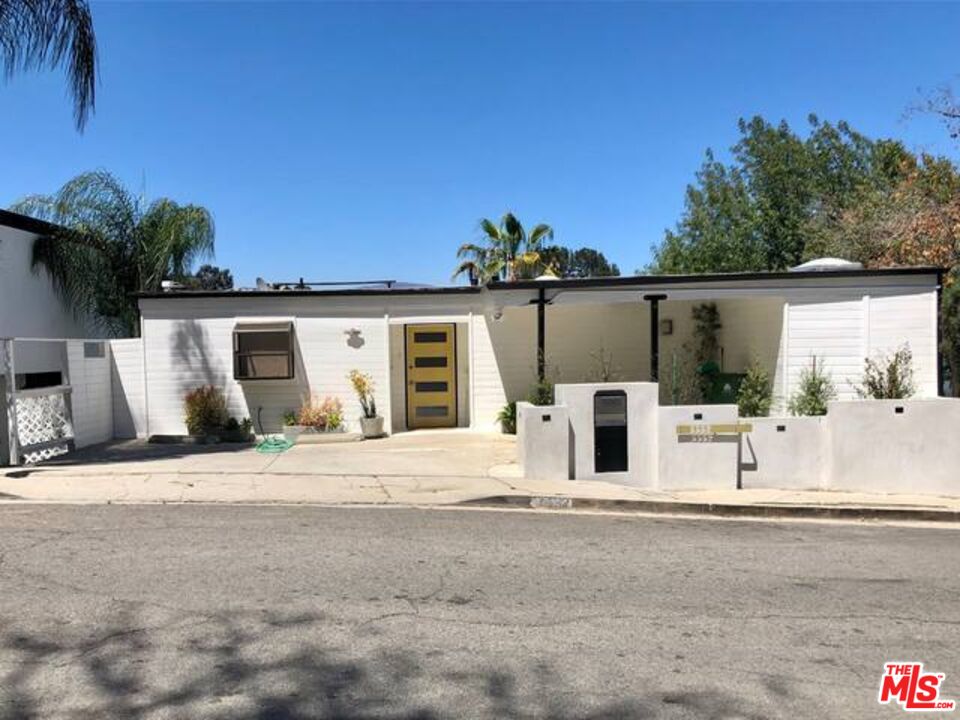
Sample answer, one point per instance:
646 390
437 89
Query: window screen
263 353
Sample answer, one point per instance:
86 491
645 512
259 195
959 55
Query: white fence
876 446
57 395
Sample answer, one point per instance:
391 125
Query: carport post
541 331
10 400
654 301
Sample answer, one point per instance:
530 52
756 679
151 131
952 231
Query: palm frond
471 249
172 239
490 229
540 233
48 34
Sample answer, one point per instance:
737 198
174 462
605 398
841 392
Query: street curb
669 507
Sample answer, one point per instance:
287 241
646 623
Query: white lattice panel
41 419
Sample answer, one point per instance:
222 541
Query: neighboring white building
52 352
29 306
453 356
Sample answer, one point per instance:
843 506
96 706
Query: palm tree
46 34
511 253
113 245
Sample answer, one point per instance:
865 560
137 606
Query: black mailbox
610 431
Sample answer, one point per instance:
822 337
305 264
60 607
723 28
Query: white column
388 394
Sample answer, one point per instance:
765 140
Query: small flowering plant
363 387
321 415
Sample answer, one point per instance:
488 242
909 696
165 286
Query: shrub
603 368
508 418
756 392
541 393
237 430
206 410
889 377
325 415
816 390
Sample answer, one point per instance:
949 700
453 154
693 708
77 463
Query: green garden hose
274 445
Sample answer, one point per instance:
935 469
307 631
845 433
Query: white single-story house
453 356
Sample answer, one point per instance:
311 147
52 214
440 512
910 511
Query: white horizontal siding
90 399
129 410
830 330
187 353
843 328
907 318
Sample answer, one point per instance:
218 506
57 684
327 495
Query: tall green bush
756 392
815 391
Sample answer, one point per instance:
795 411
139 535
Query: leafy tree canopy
784 198
112 245
209 277
581 263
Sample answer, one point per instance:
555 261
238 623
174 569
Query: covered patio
644 329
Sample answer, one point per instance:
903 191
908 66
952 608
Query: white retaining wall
543 441
874 448
785 452
689 462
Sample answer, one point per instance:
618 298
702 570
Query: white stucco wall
641 431
543 441
785 452
29 307
692 463
874 448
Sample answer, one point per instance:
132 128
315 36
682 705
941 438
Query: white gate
38 423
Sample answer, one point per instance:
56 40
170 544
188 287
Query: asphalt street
302 612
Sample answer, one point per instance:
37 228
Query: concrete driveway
447 453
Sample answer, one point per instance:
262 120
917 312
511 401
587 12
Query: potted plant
371 424
313 417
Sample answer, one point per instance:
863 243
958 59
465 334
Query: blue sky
365 140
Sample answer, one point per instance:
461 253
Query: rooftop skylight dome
827 265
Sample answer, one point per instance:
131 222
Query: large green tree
507 251
113 245
580 263
784 198
778 197
49 34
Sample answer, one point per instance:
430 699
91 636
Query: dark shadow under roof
26 223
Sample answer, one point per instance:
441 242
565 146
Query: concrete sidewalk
420 470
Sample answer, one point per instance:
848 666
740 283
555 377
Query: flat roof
27 224
568 283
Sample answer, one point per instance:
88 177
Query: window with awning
263 351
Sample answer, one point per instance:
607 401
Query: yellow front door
431 376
